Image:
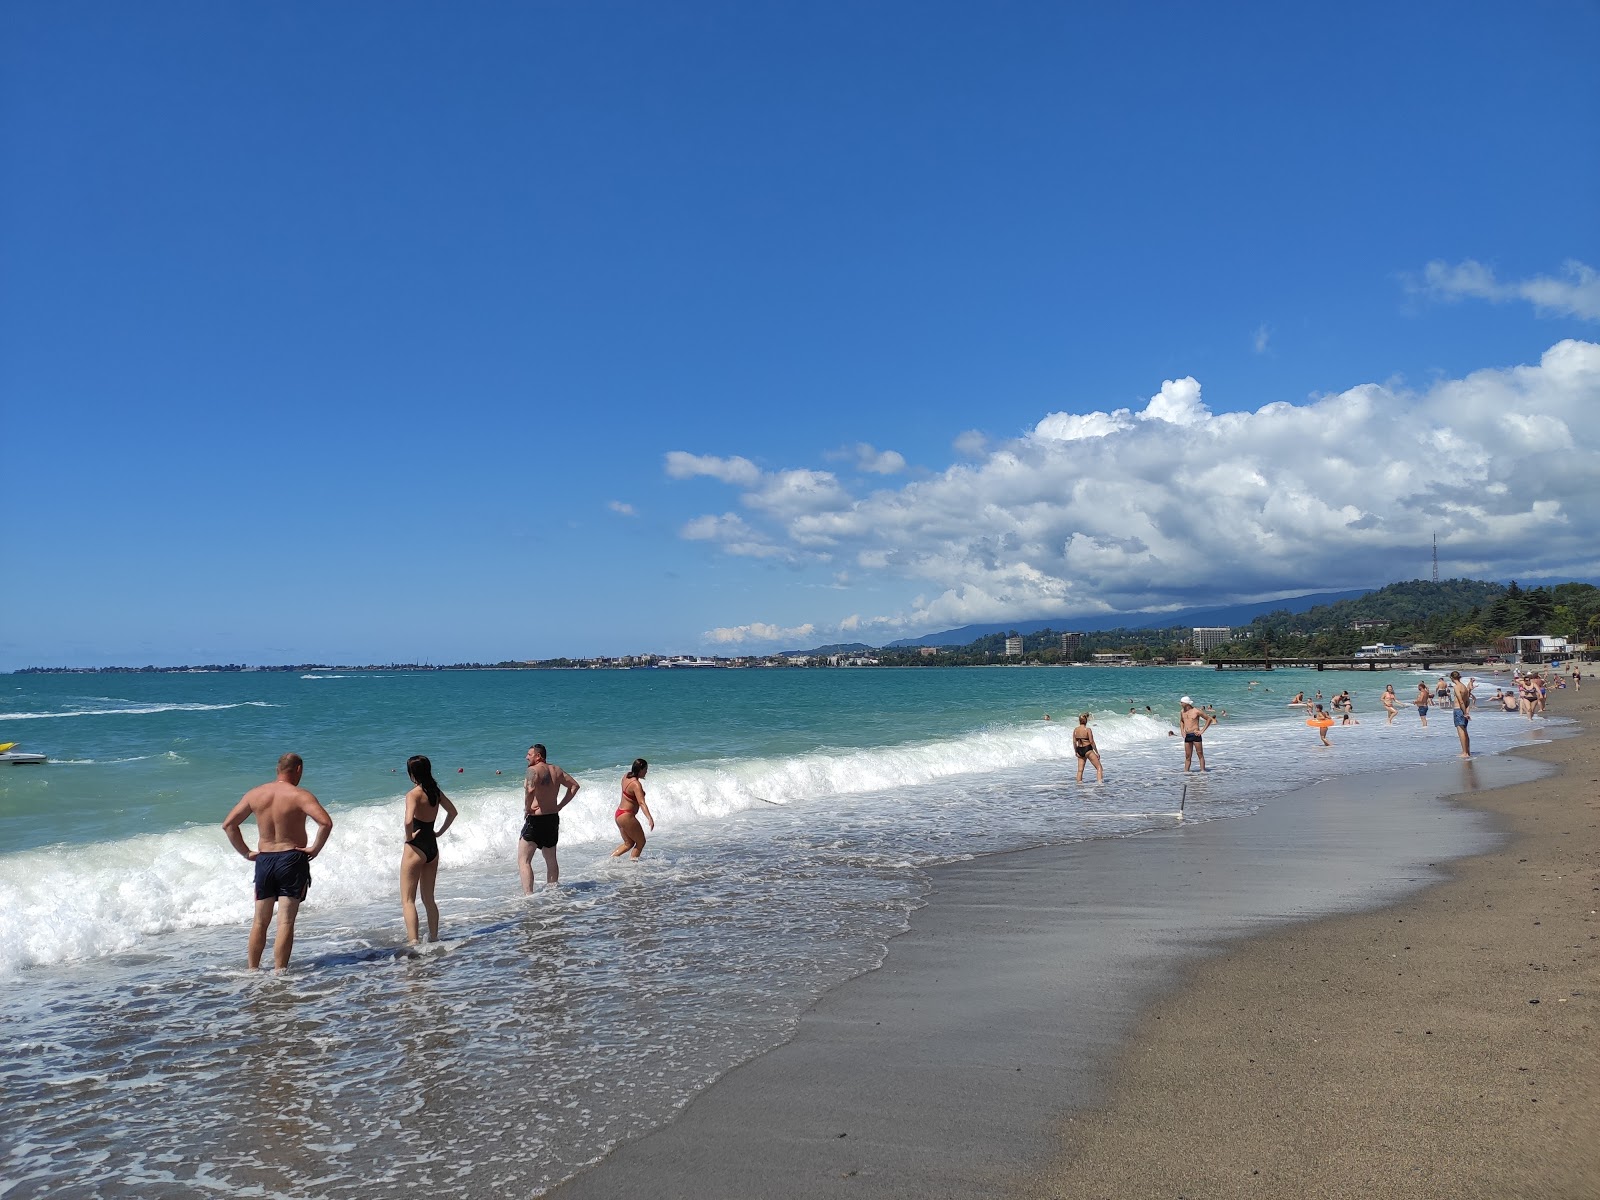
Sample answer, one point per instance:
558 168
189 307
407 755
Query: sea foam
68 903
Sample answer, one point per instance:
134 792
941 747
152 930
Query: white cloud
1072 427
737 537
621 508
738 471
971 444
791 493
1576 295
1178 403
1099 511
1260 338
869 458
758 631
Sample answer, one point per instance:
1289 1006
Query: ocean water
797 812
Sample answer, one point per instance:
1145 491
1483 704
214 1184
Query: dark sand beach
1444 1046
1178 1014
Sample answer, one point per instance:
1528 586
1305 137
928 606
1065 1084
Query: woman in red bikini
628 811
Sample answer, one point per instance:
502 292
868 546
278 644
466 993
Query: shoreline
1443 1045
1006 1005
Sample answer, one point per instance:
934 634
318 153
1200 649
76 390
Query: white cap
1185 700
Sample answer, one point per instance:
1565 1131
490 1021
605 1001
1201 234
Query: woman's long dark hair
638 769
421 772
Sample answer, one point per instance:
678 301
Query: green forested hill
1452 612
1464 613
1403 604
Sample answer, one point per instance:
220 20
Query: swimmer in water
1321 720
627 814
419 857
1084 747
282 858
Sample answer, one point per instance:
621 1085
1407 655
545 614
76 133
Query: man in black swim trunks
1194 723
283 862
541 823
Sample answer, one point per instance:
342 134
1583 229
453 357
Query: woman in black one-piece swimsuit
419 860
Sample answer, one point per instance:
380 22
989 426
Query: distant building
1071 641
1112 658
1013 647
1207 637
927 651
1383 650
1358 626
1533 648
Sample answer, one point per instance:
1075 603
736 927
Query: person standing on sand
1463 700
283 862
1423 696
1193 723
541 822
1084 747
628 811
419 857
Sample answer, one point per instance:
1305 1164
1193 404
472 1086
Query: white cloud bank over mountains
1174 505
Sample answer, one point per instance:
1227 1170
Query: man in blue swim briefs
283 861
1193 722
541 819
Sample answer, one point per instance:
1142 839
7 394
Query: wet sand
1098 1006
1445 1046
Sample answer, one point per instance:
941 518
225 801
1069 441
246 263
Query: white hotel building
1208 636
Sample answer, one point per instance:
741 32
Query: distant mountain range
1232 614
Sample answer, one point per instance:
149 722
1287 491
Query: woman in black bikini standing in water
1083 745
419 859
630 808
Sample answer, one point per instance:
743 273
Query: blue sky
382 331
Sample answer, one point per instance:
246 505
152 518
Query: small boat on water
10 754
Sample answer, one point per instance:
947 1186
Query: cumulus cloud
1575 295
870 459
621 508
737 471
758 631
971 444
1172 505
736 536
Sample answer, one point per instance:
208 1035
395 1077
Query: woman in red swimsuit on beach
628 811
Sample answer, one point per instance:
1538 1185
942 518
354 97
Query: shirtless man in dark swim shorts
1194 723
283 862
541 824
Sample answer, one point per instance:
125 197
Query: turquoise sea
797 812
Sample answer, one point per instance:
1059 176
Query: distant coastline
1442 620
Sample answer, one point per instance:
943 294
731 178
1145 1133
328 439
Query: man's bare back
542 787
283 873
281 810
